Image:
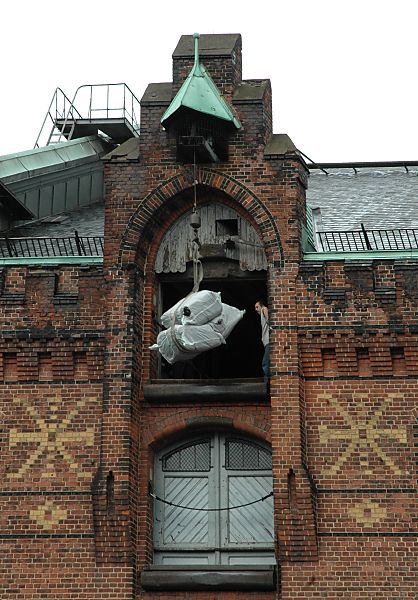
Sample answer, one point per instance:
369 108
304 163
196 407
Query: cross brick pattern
363 435
53 438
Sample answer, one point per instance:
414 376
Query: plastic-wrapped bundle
194 325
227 320
196 309
184 342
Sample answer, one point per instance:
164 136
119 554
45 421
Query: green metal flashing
24 165
362 255
200 93
53 260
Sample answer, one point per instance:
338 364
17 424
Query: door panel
183 526
229 536
251 524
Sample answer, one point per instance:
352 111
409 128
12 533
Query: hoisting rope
197 265
210 509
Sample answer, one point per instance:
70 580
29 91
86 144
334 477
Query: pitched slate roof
378 197
88 221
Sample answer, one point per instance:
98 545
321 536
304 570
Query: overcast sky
343 73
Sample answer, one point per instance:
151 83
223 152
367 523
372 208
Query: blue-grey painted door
218 471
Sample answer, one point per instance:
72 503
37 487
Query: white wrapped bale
190 340
196 309
227 320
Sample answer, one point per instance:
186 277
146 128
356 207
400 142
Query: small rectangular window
226 227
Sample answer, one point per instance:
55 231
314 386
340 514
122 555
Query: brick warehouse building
101 435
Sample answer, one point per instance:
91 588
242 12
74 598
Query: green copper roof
199 93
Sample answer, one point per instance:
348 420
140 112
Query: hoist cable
197 270
197 265
194 180
210 509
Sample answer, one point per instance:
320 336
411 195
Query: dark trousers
266 361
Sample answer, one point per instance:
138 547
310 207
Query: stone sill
190 390
216 577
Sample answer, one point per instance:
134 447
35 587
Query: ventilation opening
241 356
226 227
201 139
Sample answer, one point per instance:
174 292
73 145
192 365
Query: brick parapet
378 293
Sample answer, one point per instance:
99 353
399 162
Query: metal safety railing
368 240
90 102
41 247
61 107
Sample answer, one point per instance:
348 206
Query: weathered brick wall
358 341
52 351
79 439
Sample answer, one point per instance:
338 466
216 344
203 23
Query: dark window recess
110 493
364 368
398 361
201 139
245 456
242 354
329 362
226 227
192 457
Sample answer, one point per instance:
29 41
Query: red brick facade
80 436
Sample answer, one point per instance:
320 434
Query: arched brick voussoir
175 427
169 189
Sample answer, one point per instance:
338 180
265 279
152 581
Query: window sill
166 390
261 578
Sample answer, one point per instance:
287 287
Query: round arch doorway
214 503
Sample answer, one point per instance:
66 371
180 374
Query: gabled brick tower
127 477
250 191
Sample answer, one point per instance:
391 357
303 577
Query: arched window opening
234 264
214 503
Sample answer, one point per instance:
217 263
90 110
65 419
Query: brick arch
177 426
136 230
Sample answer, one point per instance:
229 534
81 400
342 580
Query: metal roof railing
61 107
368 240
99 102
47 247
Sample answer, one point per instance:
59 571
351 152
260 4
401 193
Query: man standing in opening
262 310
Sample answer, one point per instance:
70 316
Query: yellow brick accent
367 513
363 434
48 515
51 437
